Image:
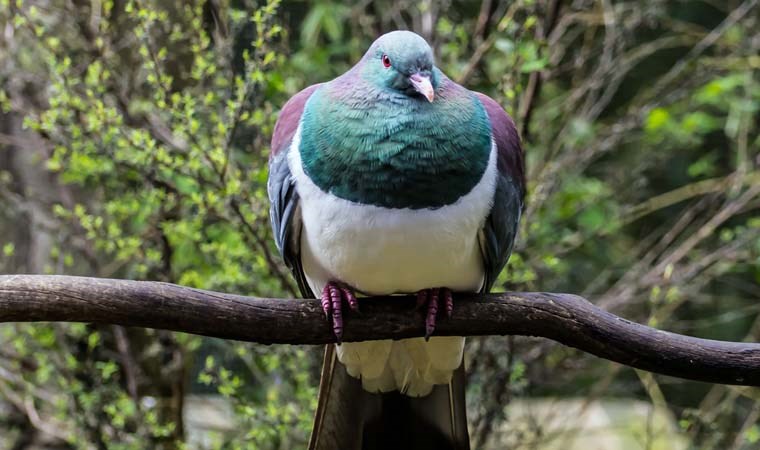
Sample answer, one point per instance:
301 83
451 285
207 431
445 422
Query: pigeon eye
386 61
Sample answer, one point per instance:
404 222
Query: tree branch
565 318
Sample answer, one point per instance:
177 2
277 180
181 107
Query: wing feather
500 229
283 198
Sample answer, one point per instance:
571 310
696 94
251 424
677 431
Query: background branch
565 318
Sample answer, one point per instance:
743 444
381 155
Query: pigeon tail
410 366
349 417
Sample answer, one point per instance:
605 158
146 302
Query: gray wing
500 229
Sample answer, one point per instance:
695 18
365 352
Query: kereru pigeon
394 179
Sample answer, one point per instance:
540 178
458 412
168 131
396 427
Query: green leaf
534 66
657 119
752 435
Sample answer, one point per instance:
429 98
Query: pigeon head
402 61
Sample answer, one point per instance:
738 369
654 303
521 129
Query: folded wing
500 228
283 197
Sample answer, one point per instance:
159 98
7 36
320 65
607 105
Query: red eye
386 61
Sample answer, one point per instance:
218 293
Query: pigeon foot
432 298
333 296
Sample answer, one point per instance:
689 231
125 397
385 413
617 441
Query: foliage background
133 144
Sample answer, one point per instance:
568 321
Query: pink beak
422 85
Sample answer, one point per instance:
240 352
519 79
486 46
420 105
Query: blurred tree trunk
35 190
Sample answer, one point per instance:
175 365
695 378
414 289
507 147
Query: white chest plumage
379 250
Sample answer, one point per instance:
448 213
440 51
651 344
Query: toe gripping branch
333 296
432 298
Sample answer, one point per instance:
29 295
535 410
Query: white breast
381 250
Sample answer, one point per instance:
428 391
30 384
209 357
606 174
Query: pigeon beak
422 85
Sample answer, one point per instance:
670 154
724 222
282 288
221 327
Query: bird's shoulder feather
287 121
510 153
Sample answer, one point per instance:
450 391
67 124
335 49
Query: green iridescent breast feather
375 146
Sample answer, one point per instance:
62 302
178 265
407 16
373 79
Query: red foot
432 297
333 296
